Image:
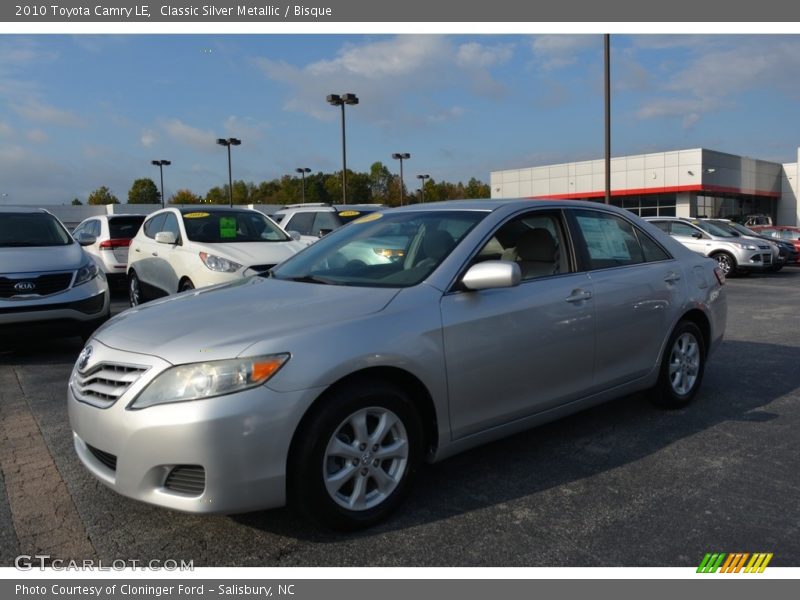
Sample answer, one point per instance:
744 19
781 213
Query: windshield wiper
307 279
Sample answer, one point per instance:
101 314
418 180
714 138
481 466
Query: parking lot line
44 517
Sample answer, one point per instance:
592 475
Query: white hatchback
179 249
112 235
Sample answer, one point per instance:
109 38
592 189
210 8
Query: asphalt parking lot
624 484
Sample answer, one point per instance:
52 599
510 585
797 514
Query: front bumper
233 448
77 306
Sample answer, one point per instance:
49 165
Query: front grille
42 285
261 270
767 258
187 479
109 460
105 382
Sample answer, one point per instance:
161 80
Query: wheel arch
412 385
699 318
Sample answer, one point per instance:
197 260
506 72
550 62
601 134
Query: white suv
112 235
734 254
311 221
180 249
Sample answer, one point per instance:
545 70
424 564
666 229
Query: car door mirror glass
492 274
166 237
84 239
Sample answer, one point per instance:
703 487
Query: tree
102 195
144 191
476 189
185 196
76 202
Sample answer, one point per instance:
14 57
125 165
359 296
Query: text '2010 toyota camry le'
327 384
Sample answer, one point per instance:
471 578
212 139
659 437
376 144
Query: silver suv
47 281
734 254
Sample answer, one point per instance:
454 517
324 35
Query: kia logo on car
25 286
83 358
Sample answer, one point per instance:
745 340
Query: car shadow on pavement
741 380
40 349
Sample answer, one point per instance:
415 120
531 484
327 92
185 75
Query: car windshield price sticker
227 227
195 215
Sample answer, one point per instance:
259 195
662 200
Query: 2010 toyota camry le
327 384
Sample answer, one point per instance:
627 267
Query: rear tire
682 367
353 462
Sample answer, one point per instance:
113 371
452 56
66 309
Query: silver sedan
329 383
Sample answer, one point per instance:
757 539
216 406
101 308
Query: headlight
749 246
206 380
86 273
217 263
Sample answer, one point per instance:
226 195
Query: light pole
303 171
228 143
422 179
401 156
337 100
161 164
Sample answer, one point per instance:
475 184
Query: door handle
136 250
672 277
579 295
155 253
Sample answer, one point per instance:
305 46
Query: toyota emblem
83 358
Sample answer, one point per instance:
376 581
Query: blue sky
81 111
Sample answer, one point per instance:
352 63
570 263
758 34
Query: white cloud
37 136
147 139
245 127
480 56
39 112
559 51
392 77
201 139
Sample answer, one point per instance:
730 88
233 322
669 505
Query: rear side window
302 223
124 227
153 226
611 241
683 229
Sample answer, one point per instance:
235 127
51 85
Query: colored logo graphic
735 563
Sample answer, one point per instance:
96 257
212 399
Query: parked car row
737 249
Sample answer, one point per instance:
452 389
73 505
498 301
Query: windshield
19 230
220 227
382 249
713 229
743 230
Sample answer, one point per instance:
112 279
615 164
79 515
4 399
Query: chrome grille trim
104 383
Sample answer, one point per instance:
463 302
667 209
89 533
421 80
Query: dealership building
685 183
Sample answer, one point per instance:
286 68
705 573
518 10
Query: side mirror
84 239
166 237
492 274
324 231
295 235
697 235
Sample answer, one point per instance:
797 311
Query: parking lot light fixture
228 143
341 100
401 156
422 179
161 164
303 171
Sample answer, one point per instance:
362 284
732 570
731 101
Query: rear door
637 288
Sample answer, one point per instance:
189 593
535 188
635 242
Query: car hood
41 258
252 253
220 322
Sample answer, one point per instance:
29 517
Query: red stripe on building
659 190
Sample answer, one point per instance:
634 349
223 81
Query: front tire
726 262
682 367
135 294
354 460
186 285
